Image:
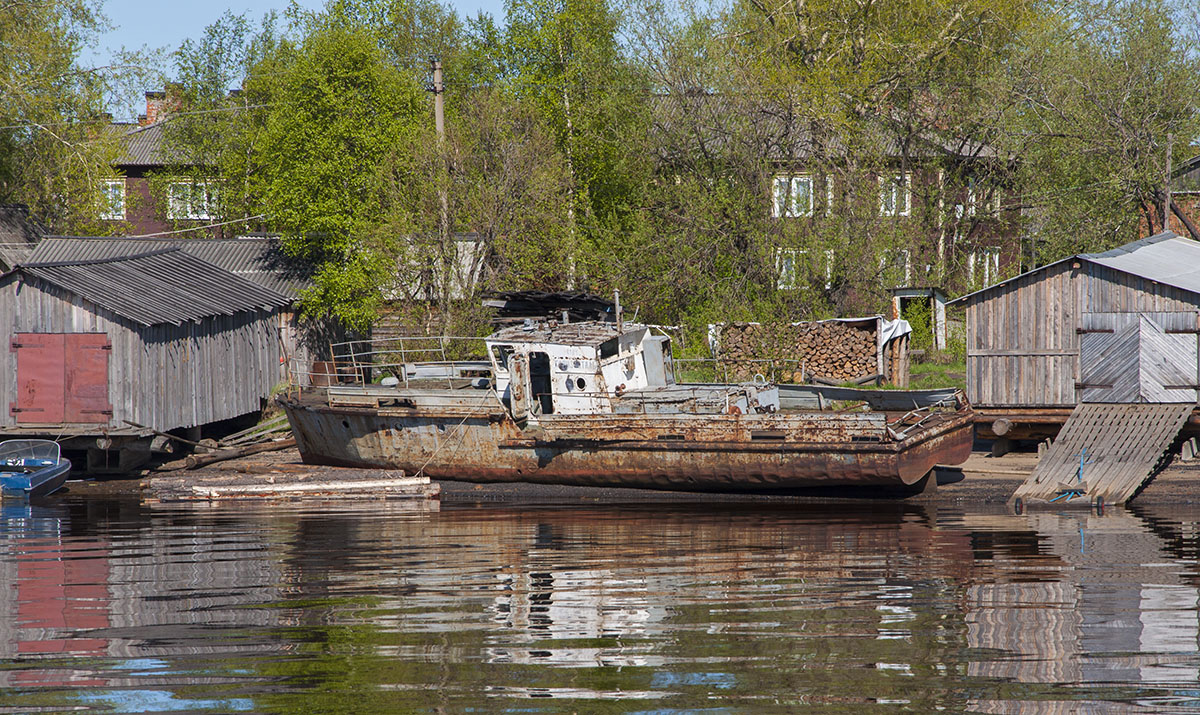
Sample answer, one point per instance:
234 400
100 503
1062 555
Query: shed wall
1022 345
162 376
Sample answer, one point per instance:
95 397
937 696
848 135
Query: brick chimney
160 103
155 107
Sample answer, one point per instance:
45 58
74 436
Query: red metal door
86 396
40 369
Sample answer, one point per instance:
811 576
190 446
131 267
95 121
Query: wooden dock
1105 451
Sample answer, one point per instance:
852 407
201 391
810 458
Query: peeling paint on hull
727 453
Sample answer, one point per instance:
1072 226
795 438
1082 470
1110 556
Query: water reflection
120 607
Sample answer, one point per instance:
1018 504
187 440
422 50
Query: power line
199 228
101 120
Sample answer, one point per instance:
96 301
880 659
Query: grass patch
931 375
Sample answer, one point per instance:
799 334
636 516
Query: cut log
199 460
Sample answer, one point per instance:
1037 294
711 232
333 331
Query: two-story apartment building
934 215
145 198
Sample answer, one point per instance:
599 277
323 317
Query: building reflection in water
1119 609
900 604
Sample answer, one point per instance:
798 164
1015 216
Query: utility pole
1167 187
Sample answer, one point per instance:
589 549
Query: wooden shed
161 339
258 259
1117 326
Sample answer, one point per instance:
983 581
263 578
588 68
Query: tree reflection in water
381 606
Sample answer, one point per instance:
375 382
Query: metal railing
718 369
438 359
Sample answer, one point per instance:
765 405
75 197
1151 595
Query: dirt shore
982 479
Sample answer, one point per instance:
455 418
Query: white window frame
112 191
991 265
988 259
785 267
786 201
183 204
892 188
828 195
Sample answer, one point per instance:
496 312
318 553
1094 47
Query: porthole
346 424
581 383
570 385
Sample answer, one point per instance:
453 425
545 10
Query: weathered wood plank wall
1022 345
1021 341
163 376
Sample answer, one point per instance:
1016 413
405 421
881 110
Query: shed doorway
1139 357
62 378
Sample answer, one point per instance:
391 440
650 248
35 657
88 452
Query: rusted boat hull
728 453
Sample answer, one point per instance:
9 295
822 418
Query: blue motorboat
31 467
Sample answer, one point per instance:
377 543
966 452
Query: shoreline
982 479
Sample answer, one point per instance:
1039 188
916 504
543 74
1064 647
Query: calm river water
664 608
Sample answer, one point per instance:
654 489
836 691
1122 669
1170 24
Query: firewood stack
832 350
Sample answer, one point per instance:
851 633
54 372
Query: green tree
505 185
337 111
563 59
54 147
1099 93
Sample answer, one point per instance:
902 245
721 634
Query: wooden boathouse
104 352
1104 343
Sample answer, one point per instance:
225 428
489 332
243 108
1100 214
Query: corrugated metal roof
1167 258
156 287
142 145
256 259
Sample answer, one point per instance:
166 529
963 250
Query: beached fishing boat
31 468
597 404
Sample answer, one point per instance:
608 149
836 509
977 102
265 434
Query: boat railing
445 361
28 452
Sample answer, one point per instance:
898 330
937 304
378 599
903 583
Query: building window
978 198
828 195
191 200
894 195
793 196
785 268
986 264
112 197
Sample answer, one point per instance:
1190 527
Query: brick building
148 207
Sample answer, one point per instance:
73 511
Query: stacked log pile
834 351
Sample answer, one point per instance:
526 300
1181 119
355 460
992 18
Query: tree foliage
54 150
640 146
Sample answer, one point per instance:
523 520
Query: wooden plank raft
1104 450
276 483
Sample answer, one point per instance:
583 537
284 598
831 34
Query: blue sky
165 24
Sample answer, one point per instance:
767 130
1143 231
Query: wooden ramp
1104 450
